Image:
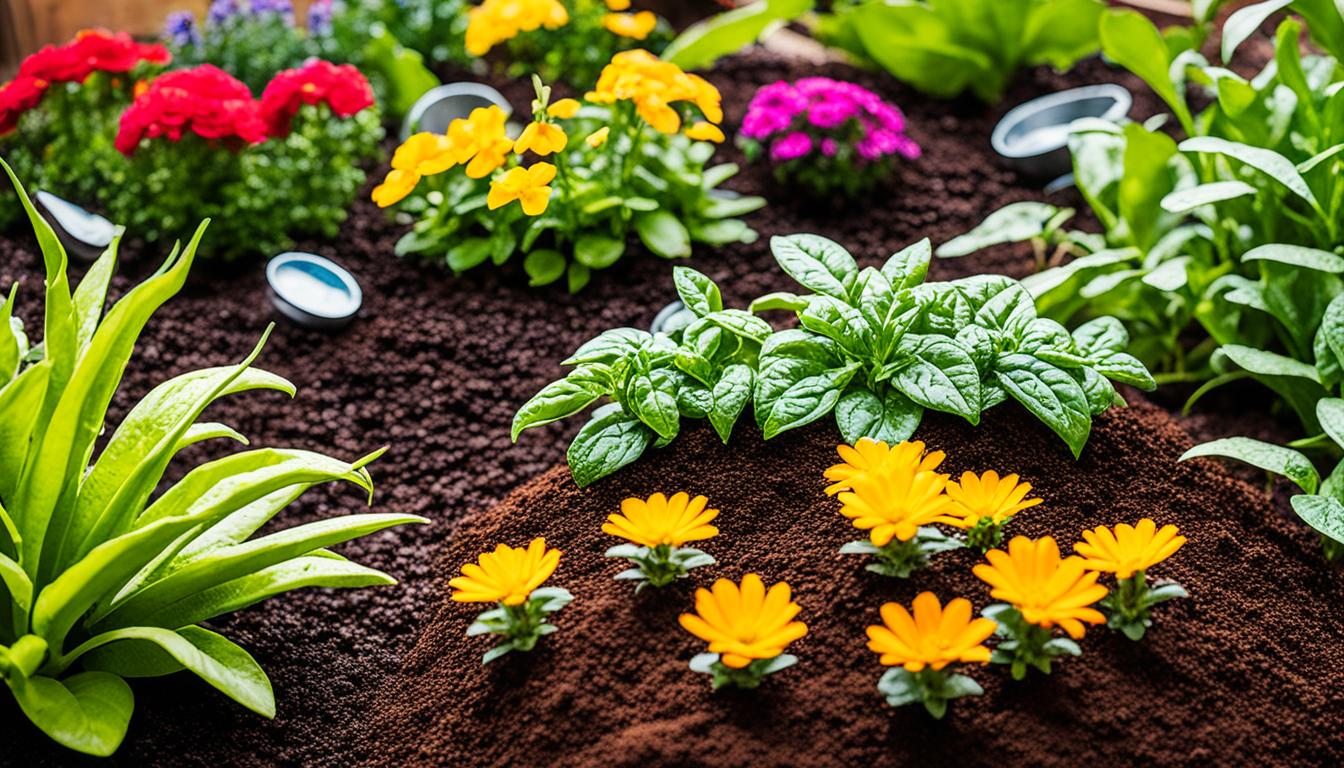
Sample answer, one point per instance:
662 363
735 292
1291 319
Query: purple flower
319 17
222 11
791 146
282 8
179 29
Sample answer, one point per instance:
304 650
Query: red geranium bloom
18 96
204 100
343 88
93 50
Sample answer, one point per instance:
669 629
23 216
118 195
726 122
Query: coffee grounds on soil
1248 670
434 368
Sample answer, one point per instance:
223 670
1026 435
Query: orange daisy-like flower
986 497
1046 590
663 521
507 575
869 456
1128 549
747 623
934 636
894 505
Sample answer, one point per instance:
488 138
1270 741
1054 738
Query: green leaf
706 41
1297 256
664 234
402 69
544 266
1324 513
557 400
697 292
1190 198
610 347
909 266
940 375
609 441
1132 41
598 251
917 46
469 253
1330 412
818 264
1244 22
653 401
1049 393
1266 456
732 392
1267 161
892 418
87 712
1013 223
791 393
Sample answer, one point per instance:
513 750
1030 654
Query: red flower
93 50
204 100
342 88
18 96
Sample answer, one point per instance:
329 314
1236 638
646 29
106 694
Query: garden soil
434 368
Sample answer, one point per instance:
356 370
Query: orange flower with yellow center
1128 549
1047 591
869 456
743 624
507 575
660 521
986 497
526 185
893 505
934 636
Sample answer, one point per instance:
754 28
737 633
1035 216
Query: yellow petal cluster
507 575
1127 549
660 520
542 139
656 88
743 624
479 140
618 5
635 26
873 456
528 186
599 137
934 636
895 504
986 497
496 21
1047 591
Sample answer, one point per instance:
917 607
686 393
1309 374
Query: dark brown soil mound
1251 665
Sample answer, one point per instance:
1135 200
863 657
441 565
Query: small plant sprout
1129 551
513 578
1040 591
920 647
657 529
982 504
747 629
896 507
868 456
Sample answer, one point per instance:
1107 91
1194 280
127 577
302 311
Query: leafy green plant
103 579
709 40
1236 228
875 347
249 39
945 47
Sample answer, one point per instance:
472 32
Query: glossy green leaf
1266 456
1051 394
88 712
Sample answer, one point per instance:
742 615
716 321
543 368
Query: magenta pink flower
791 147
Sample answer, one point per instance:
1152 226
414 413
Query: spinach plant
703 368
1235 228
102 579
945 47
876 347
879 346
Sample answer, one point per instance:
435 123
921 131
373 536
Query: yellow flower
599 137
424 154
744 624
703 131
935 636
618 5
506 575
481 141
1128 549
496 21
527 185
987 496
541 139
395 187
661 520
563 109
870 456
895 505
1046 590
654 86
636 26
707 98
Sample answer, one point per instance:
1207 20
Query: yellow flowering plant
563 40
630 159
919 644
747 628
512 578
1040 591
656 529
895 495
1128 551
982 504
